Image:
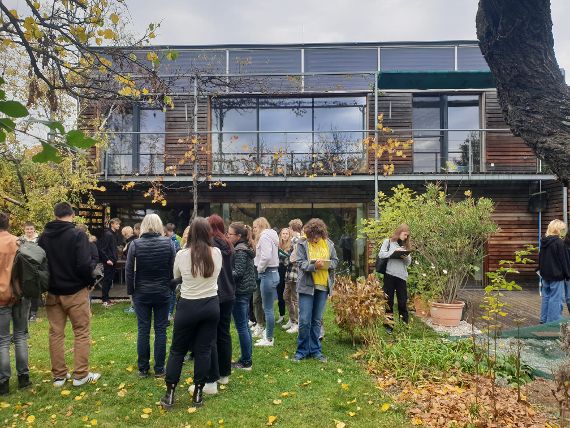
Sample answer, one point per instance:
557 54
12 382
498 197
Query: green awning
435 80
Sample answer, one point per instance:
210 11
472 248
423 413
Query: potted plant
448 238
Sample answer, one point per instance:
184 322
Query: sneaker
294 329
59 382
159 375
24 381
264 342
251 324
296 358
224 380
280 320
143 374
108 304
129 310
389 329
90 378
242 366
258 331
170 317
33 317
287 325
321 358
211 388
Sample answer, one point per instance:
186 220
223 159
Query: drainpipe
376 141
565 205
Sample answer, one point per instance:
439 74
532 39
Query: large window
136 142
289 135
446 136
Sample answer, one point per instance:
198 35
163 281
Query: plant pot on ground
446 314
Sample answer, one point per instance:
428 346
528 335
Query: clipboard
397 254
326 264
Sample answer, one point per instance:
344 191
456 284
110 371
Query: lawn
305 394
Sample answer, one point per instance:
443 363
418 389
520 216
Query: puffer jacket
226 283
244 269
149 266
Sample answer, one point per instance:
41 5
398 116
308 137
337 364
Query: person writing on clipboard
397 250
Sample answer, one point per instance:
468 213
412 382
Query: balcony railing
345 152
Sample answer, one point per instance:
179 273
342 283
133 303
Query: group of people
218 273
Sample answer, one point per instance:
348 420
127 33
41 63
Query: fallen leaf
93 422
130 368
121 386
344 386
222 387
417 421
31 419
271 419
283 394
192 409
385 407
4 405
65 392
339 424
147 410
352 414
277 401
189 380
145 416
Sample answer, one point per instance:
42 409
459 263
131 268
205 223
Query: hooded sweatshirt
267 251
69 257
553 259
8 248
244 269
226 283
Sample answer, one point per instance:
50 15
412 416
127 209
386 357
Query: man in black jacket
69 261
109 255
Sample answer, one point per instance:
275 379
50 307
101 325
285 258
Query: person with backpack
148 272
14 310
70 276
30 235
290 294
109 255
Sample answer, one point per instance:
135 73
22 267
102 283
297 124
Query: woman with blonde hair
554 269
397 271
148 271
267 263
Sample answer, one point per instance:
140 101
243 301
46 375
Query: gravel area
463 329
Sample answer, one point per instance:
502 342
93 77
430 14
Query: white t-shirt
196 287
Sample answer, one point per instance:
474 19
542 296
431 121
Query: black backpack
31 269
382 264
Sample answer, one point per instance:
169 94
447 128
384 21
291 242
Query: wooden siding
504 151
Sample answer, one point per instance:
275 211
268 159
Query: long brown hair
202 262
396 236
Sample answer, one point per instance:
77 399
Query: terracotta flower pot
421 308
446 314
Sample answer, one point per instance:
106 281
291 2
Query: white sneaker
258 331
287 325
250 324
58 383
294 328
224 380
91 377
279 320
264 342
210 388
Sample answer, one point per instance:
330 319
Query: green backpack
31 269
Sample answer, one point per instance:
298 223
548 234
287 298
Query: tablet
326 265
397 254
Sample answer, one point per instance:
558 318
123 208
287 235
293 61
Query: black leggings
195 326
393 284
281 290
221 364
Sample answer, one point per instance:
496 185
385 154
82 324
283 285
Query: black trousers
281 290
221 364
394 285
34 304
107 281
195 327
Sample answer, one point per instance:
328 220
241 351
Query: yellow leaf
344 386
417 421
163 203
14 13
121 386
78 397
114 18
339 424
147 410
122 393
285 394
130 368
93 422
221 421
189 380
271 420
192 409
4 405
277 401
65 392
145 416
385 407
31 419
351 414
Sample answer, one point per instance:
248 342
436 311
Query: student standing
30 235
198 311
69 262
267 263
397 271
244 276
284 253
554 267
12 311
108 254
290 294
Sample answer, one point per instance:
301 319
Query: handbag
382 264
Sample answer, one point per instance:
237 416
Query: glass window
151 146
120 151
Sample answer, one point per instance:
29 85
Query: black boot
198 395
24 381
168 400
5 387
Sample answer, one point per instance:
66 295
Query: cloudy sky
304 21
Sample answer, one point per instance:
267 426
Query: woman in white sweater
198 311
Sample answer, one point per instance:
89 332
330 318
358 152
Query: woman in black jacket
221 366
148 272
244 273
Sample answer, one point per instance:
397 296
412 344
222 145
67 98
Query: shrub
358 305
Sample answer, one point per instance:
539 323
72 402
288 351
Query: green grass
318 394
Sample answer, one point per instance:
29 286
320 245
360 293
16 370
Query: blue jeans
172 303
268 287
145 305
241 318
311 309
18 316
552 299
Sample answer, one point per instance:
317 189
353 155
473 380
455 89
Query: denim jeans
552 299
172 303
311 309
145 305
240 313
18 316
269 282
567 294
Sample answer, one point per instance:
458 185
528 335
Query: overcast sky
304 21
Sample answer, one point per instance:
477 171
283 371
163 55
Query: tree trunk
516 39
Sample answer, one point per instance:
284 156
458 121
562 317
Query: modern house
279 131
